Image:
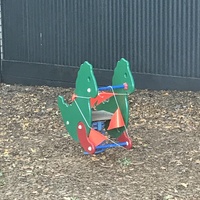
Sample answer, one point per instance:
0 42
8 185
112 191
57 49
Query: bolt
89 90
89 148
79 127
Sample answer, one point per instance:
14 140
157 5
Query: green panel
122 74
71 115
86 84
79 110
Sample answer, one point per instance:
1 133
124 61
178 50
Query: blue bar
106 146
111 87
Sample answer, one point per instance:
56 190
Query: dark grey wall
45 40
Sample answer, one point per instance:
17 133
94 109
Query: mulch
39 160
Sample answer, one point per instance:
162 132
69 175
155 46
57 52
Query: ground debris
38 159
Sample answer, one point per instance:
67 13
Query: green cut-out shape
79 110
122 74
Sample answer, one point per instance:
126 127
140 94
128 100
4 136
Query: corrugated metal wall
159 37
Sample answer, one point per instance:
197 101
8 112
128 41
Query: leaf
168 197
164 168
49 109
185 185
36 110
166 94
6 152
103 157
197 161
94 158
1 173
33 150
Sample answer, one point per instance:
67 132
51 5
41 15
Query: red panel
125 138
96 137
85 142
116 120
100 98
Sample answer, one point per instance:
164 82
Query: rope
82 114
82 97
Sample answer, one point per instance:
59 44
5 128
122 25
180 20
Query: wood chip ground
39 160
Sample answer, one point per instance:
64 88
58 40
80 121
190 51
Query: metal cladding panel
157 36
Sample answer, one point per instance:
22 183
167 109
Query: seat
101 115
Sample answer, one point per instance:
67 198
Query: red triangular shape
116 120
74 96
100 98
93 101
96 137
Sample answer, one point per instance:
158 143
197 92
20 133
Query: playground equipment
98 114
